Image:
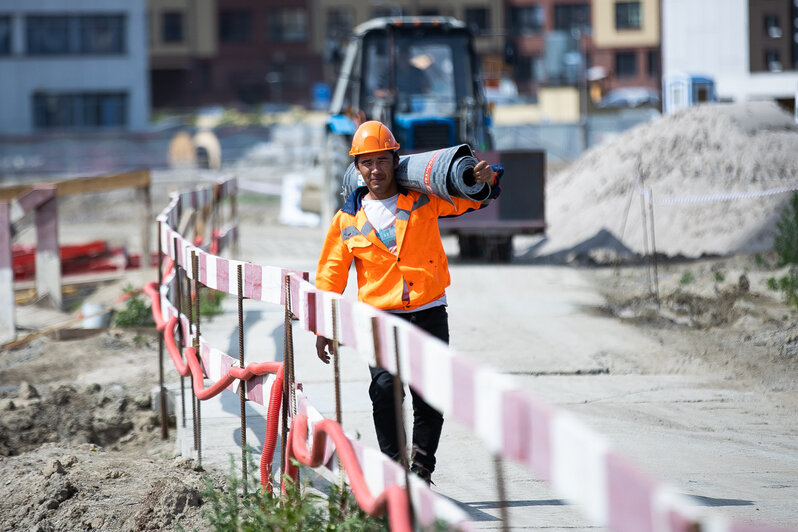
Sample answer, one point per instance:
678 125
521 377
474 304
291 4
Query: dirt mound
84 487
711 152
80 445
715 315
114 417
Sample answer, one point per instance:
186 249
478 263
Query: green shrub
232 508
760 261
136 312
786 247
786 242
211 303
787 285
687 278
718 276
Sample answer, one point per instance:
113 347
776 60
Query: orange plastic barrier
191 367
393 499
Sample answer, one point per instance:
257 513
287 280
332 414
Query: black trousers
427 422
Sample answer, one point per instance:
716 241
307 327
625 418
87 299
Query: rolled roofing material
443 173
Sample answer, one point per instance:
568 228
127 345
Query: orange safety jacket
419 261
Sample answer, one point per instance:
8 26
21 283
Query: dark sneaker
424 473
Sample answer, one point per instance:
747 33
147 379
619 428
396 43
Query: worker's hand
323 348
483 173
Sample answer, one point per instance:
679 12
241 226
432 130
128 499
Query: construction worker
392 235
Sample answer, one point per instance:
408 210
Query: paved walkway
530 321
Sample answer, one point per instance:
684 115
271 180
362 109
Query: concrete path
732 450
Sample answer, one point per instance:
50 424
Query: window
288 25
71 35
524 69
625 64
83 110
526 20
476 18
340 21
653 64
628 16
235 26
572 17
773 60
296 76
772 27
5 35
172 27
102 34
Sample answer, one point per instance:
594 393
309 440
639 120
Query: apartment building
626 41
560 42
334 20
77 65
182 41
748 47
231 51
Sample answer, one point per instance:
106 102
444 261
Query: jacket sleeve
332 271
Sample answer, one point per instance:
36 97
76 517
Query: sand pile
714 150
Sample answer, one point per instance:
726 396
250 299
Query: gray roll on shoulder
441 173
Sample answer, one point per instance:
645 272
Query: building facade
562 42
627 42
748 47
334 20
78 65
182 45
232 51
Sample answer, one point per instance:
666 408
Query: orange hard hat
372 136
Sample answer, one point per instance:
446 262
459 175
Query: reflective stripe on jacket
419 261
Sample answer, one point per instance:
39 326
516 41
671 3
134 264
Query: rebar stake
242 390
623 228
338 409
181 333
645 238
505 516
286 375
195 270
653 245
162 390
400 422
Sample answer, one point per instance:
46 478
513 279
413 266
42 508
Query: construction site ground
698 387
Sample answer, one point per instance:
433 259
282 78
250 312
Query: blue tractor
421 77
418 75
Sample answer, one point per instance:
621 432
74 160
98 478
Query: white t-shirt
382 215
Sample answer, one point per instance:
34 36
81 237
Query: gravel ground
80 445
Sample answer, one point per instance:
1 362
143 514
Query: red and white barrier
580 465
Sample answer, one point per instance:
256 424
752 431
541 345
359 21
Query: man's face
377 170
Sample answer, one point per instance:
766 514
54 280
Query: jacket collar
355 200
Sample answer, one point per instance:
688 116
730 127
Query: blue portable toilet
686 90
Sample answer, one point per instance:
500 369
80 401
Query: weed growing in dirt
211 303
786 241
718 276
687 278
231 508
136 312
787 285
760 261
786 247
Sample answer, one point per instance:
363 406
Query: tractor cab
418 75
